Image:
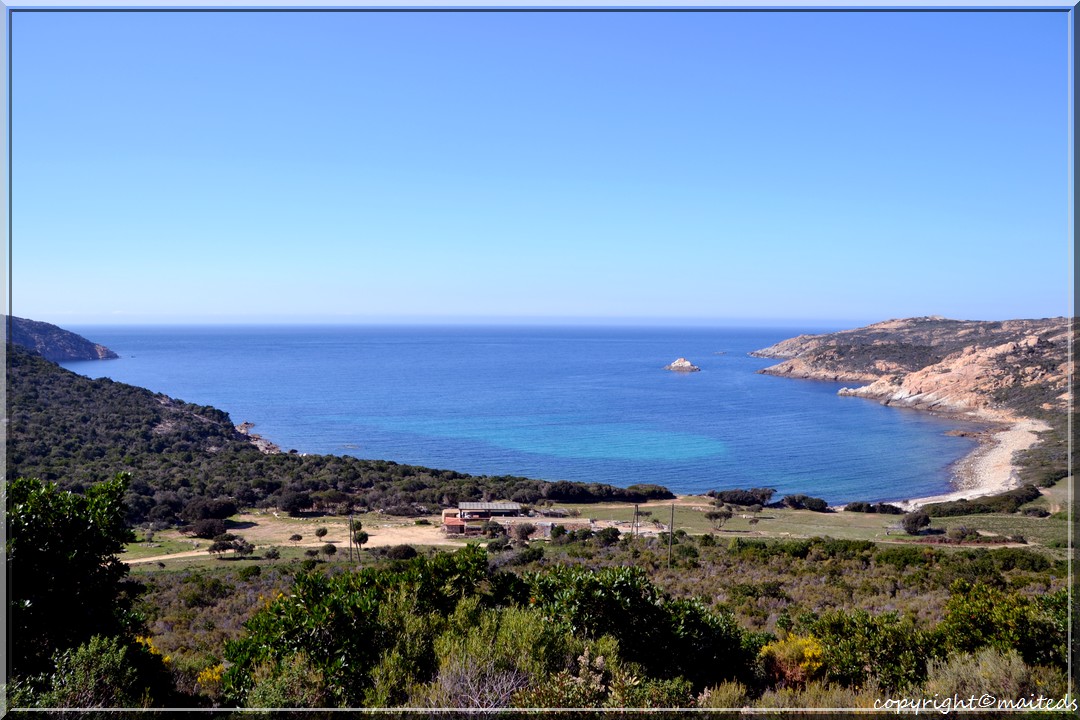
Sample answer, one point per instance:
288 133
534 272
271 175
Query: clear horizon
502 168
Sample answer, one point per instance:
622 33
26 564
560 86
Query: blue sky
434 166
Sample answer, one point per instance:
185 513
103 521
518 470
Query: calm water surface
588 404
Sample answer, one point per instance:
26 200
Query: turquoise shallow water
575 403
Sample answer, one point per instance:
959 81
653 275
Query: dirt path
265 535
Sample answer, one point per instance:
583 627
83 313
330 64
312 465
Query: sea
582 403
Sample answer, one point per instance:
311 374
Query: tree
718 517
208 528
914 522
321 533
329 550
272 553
524 530
295 538
66 582
360 538
295 502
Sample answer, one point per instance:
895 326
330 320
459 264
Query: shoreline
988 469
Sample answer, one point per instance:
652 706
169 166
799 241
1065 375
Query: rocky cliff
992 370
53 343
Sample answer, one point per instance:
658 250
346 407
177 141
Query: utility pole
633 523
670 534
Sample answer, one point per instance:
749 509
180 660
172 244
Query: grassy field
265 529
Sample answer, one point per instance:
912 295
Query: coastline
989 468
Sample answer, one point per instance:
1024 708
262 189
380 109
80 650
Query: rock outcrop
993 370
54 343
682 365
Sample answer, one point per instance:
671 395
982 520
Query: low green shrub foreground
592 622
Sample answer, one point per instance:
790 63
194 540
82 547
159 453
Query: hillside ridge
54 343
987 370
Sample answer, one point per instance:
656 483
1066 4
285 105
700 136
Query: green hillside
75 431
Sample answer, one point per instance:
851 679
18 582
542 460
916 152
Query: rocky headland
996 371
1013 374
54 343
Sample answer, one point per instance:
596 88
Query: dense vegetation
72 430
593 619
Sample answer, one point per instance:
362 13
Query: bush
880 508
805 502
979 616
524 531
106 672
753 496
248 571
861 648
492 529
208 529
914 522
499 544
961 533
793 661
293 683
728 694
1007 502
401 552
819 695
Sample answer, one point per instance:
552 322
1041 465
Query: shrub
728 694
880 508
499 544
818 694
753 496
524 531
106 672
249 571
793 661
860 648
1006 502
293 683
914 522
208 529
805 502
961 533
979 616
401 552
492 529
1001 674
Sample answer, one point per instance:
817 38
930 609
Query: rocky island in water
682 365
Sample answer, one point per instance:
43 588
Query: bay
590 404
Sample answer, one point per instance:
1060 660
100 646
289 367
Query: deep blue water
575 403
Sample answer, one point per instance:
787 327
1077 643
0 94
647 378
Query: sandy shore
989 469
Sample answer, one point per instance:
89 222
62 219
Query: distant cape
54 343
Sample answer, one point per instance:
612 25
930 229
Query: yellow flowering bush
794 660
